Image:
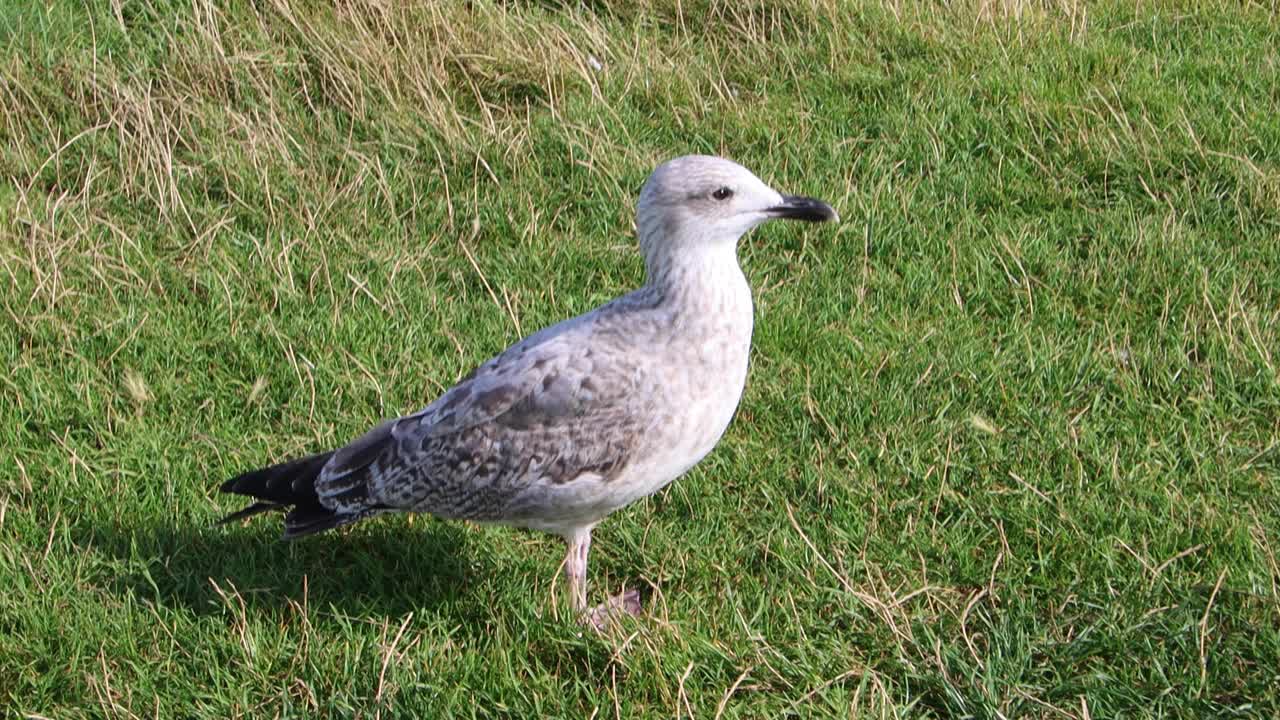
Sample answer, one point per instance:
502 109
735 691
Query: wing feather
547 410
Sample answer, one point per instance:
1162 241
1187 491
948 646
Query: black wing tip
229 485
252 482
289 482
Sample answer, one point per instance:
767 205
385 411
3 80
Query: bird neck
699 277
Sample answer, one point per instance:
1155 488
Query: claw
602 616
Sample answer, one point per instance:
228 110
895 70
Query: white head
699 200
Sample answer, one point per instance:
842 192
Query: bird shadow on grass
380 569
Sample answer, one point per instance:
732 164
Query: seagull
580 418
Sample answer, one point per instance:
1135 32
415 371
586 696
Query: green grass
1010 444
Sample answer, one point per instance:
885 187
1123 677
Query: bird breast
719 341
706 370
698 345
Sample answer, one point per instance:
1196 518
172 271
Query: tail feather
289 486
302 521
254 509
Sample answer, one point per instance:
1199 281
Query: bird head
699 199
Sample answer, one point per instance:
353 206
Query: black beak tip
795 207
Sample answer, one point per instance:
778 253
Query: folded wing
541 414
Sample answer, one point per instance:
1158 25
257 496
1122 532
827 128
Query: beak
809 209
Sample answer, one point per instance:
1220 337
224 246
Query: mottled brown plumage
583 417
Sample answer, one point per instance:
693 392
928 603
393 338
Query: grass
1009 447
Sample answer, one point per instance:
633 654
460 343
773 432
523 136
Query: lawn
1010 444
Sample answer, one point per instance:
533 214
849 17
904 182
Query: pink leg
575 569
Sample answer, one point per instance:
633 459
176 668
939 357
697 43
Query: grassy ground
1010 443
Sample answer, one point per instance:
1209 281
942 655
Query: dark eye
723 193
